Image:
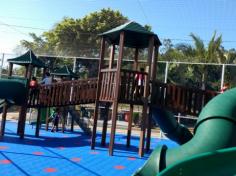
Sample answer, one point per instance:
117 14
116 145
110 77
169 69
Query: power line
19 26
12 27
95 34
142 9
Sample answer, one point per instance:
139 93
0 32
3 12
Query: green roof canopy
64 71
136 36
26 59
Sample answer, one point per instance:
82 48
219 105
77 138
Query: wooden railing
108 77
181 99
64 93
174 97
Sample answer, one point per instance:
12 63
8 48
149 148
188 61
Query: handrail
64 93
181 99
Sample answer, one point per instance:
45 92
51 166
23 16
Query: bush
136 118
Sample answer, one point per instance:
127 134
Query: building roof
26 59
136 36
64 71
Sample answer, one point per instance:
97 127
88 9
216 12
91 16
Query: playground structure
115 85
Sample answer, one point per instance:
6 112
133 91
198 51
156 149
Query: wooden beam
135 65
29 71
38 122
112 54
130 119
146 93
26 71
117 87
154 63
104 128
153 78
10 69
95 118
3 121
22 119
72 124
149 129
47 118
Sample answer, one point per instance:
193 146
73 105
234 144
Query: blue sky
174 19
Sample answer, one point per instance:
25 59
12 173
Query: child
139 79
224 88
55 119
33 90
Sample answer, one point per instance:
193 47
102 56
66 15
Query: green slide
215 137
172 129
219 162
12 91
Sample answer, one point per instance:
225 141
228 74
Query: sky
173 19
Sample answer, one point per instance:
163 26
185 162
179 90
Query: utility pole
1 65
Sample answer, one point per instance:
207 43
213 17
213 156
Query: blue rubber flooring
68 154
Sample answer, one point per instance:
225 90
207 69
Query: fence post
166 72
165 81
179 116
1 64
222 76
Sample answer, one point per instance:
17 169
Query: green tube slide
13 91
215 130
219 162
170 127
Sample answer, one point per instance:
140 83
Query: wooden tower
116 85
29 61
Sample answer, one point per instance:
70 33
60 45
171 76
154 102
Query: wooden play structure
29 61
115 85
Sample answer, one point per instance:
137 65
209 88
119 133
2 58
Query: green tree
76 37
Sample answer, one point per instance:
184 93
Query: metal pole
166 72
222 76
1 65
165 81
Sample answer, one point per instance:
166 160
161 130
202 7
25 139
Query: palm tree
213 53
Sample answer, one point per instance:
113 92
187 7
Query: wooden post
72 124
117 86
26 71
154 63
22 120
47 118
112 56
130 119
38 123
29 73
64 114
3 122
135 65
152 78
104 128
146 91
10 69
95 119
